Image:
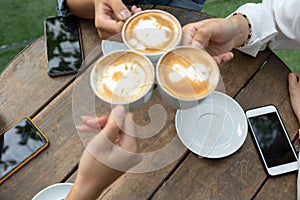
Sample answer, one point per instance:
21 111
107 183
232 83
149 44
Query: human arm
274 23
107 156
218 36
109 15
294 91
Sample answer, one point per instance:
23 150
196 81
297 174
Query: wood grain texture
240 175
57 105
270 86
235 75
280 187
55 162
26 86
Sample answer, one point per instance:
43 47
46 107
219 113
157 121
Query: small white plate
57 191
109 46
216 128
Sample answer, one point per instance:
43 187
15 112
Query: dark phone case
67 26
34 154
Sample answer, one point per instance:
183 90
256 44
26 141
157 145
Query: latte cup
152 33
123 78
185 76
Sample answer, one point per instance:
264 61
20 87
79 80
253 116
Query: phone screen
272 139
63 45
18 145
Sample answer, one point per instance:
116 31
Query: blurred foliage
23 19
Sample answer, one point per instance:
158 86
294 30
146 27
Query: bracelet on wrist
249 25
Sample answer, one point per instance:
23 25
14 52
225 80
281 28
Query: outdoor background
21 22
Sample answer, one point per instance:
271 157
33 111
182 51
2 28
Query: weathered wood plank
240 175
284 186
57 121
235 74
52 165
26 86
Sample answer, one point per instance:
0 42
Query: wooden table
26 89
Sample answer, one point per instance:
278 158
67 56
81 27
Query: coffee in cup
152 32
186 75
123 78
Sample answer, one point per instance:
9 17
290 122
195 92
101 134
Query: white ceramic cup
186 75
123 78
57 191
152 32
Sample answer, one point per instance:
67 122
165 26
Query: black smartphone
18 145
272 140
64 53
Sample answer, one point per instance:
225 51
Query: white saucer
109 46
57 191
216 128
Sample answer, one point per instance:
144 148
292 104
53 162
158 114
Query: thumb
115 123
120 10
129 140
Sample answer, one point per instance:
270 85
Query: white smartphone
274 145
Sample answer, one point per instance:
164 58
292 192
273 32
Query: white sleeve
275 23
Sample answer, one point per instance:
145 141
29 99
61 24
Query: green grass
23 20
219 8
7 55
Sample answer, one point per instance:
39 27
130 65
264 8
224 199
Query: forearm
92 178
82 8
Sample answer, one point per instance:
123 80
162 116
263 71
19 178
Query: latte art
195 73
123 77
187 73
152 32
123 81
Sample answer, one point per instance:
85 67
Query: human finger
128 140
188 33
223 58
107 26
114 123
120 10
135 9
292 77
95 122
87 129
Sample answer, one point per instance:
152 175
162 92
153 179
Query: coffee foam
125 78
196 73
152 32
186 73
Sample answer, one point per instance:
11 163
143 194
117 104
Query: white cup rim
147 11
176 97
96 64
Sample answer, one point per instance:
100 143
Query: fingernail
85 118
197 44
91 120
124 13
79 127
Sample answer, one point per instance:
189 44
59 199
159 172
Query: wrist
242 29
